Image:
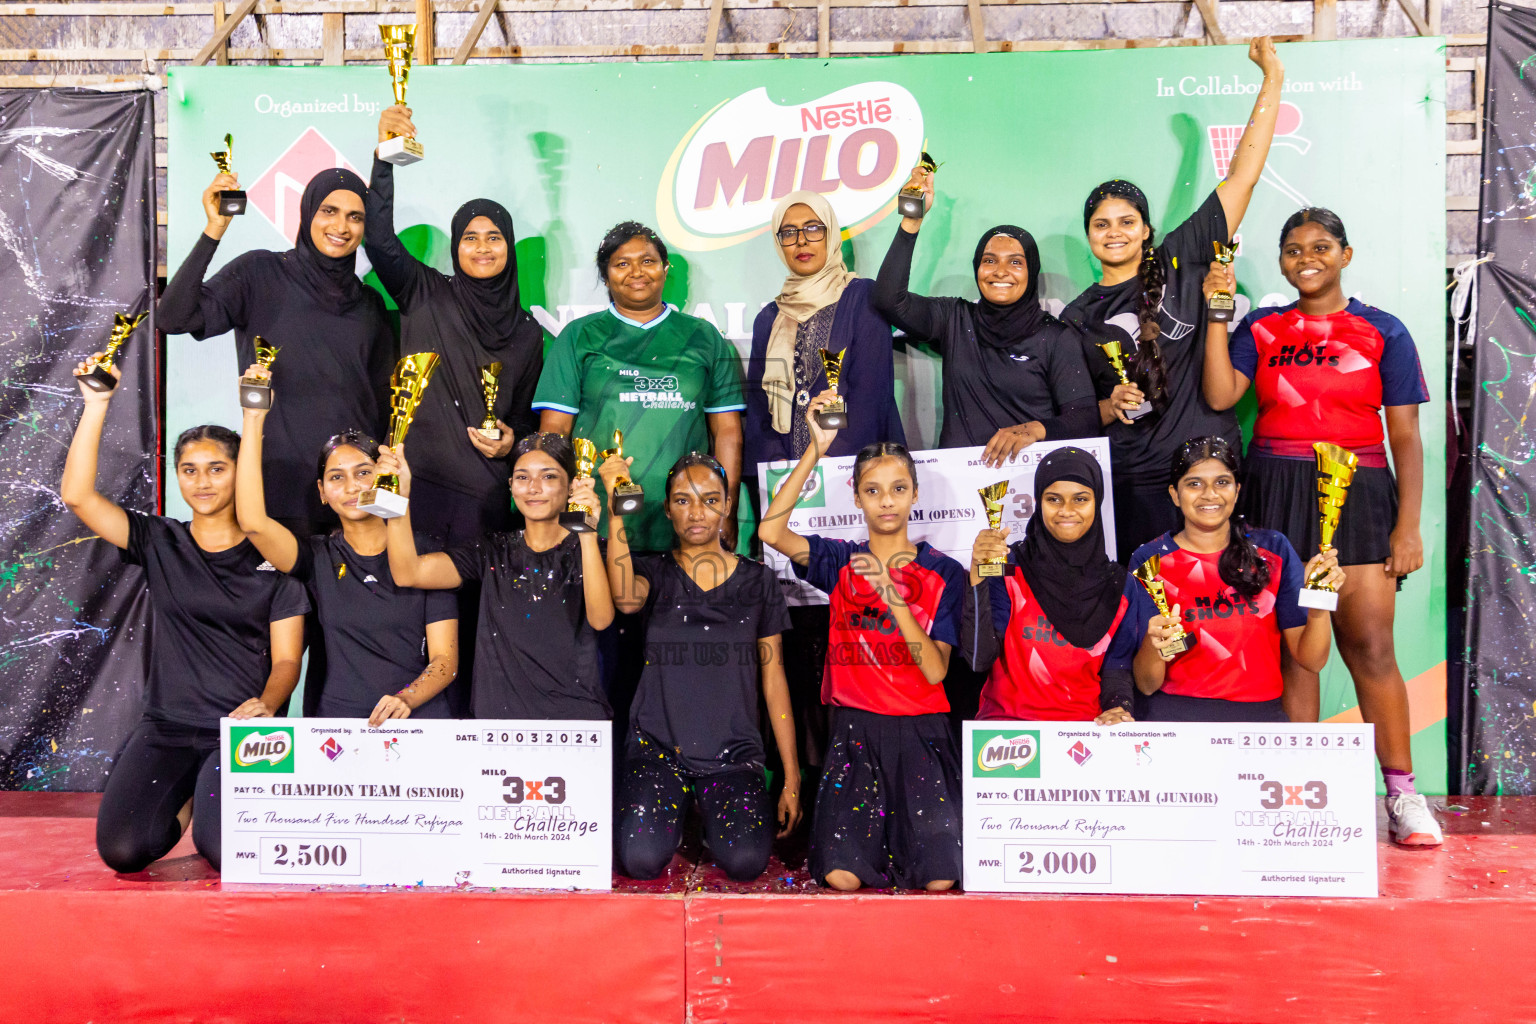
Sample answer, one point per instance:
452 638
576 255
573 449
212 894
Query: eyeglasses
791 236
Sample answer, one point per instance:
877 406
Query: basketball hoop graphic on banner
1224 139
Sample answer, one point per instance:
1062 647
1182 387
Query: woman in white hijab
823 305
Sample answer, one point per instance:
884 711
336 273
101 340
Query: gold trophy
98 373
574 518
628 496
909 201
992 497
833 415
490 383
411 377
1111 350
1146 574
256 392
1220 307
1335 472
231 201
399 45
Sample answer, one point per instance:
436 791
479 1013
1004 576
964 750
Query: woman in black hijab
471 319
337 347
1013 374
1052 634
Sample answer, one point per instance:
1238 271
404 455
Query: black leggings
653 797
162 766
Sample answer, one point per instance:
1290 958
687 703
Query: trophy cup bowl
1221 307
399 46
992 497
909 201
412 375
231 201
833 415
1335 472
256 392
98 375
1113 352
628 496
574 518
1146 575
490 383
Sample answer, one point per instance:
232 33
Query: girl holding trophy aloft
228 638
1325 369
1214 600
1148 304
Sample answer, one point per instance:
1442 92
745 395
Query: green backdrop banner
703 150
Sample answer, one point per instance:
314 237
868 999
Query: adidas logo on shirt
266 567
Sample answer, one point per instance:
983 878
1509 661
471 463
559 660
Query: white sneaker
1410 822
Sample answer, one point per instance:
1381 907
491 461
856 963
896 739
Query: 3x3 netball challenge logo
855 146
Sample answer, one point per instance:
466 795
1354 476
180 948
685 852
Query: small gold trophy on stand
411 377
256 392
628 496
909 201
399 46
574 518
231 201
490 383
1113 353
833 415
98 374
1146 574
1221 305
992 497
1335 472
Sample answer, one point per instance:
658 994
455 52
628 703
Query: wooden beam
333 38
482 18
1208 14
1434 11
712 29
1325 19
1419 24
220 58
223 32
978 26
824 29
425 33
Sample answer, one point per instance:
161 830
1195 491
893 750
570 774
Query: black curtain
77 237
1493 681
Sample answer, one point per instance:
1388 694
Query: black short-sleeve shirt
211 649
535 653
698 692
375 632
1140 453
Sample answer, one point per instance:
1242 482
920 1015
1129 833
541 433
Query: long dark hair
1148 365
352 438
1319 215
221 436
883 450
1241 566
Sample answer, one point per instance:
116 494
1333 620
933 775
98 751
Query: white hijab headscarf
798 302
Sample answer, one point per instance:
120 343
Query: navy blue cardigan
868 381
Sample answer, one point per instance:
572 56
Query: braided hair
1241 567
1148 365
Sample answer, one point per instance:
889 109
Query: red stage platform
1443 943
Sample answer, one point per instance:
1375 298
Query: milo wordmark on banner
265 749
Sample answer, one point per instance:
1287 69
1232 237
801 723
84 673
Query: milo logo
261 749
1012 753
812 495
855 146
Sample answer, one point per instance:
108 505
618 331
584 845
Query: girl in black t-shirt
713 623
543 590
389 650
210 591
1149 298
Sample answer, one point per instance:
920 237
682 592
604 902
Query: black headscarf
1006 326
1077 585
334 279
1116 188
491 305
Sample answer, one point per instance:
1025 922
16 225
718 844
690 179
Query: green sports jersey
657 383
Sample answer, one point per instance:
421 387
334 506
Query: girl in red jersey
1234 588
1053 632
1326 368
888 807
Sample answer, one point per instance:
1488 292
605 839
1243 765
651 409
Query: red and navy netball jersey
1238 654
1326 378
870 666
1038 675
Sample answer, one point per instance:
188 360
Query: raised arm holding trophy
399 47
412 375
231 201
99 376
